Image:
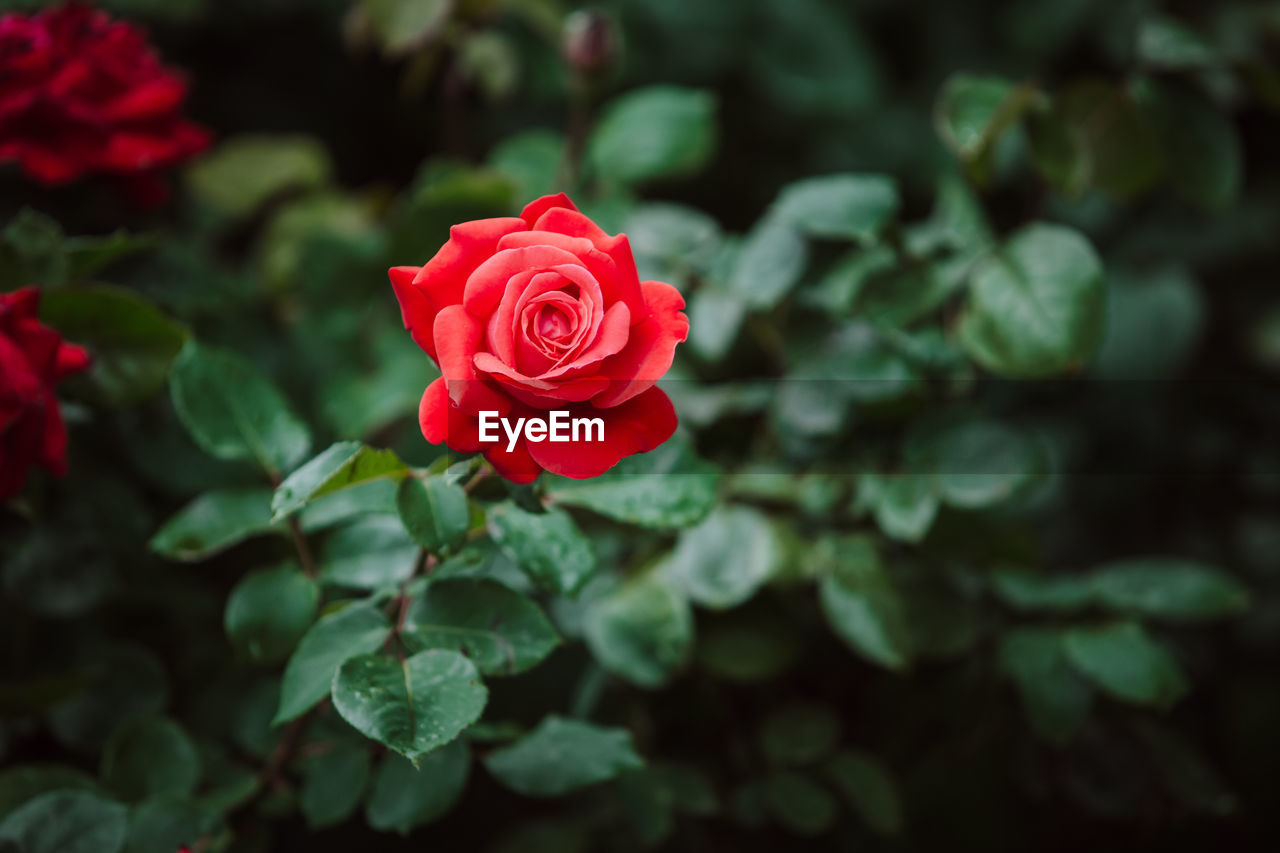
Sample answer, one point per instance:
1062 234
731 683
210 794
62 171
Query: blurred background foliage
968 539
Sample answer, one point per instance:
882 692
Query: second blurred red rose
81 94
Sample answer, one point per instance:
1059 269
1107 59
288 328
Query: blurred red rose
33 358
81 94
536 313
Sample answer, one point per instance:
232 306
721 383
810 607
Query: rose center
554 323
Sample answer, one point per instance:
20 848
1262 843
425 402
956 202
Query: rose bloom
81 93
33 358
536 313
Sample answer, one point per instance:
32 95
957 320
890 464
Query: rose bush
538 312
81 93
33 359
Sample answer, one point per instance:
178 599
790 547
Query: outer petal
517 466
458 335
649 353
571 222
441 281
71 359
21 304
444 423
416 311
536 208
638 425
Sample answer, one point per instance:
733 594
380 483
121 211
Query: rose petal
71 359
441 281
536 208
609 261
589 294
487 285
416 311
442 422
650 349
20 304
614 333
636 426
458 335
501 328
539 392
571 222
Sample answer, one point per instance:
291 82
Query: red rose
81 93
33 358
537 313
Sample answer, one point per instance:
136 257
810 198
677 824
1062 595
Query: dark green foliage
967 539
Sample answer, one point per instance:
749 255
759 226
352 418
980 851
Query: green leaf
127 680
234 412
769 264
23 782
405 797
655 132
799 733
1183 771
434 512
839 207
133 344
67 822
1055 593
413 706
354 630
370 553
800 804
548 546
1096 135
715 317
671 242
164 824
974 462
343 465
89 255
812 59
499 629
1206 157
972 113
246 171
668 487
562 755
867 785
1154 321
1057 702
862 605
1035 306
269 610
748 644
402 25
214 522
904 505
531 158
1169 44
642 631
147 756
36 251
333 784
722 561
1169 588
1123 660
